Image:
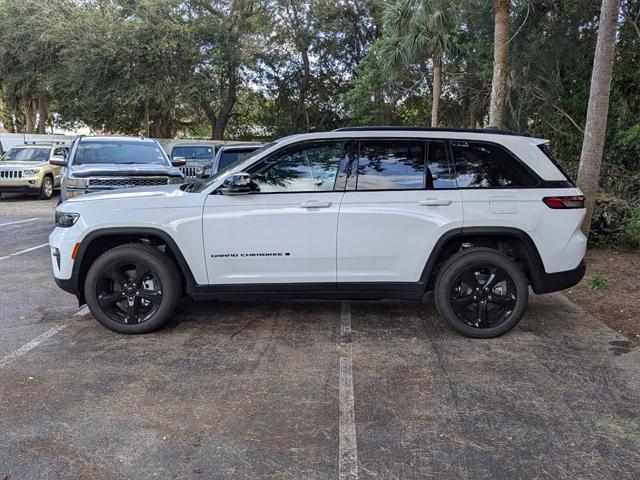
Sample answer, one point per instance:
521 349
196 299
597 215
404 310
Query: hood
131 193
16 164
124 170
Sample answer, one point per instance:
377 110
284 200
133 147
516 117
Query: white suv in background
357 213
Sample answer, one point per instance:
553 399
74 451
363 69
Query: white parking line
23 350
348 445
26 250
19 221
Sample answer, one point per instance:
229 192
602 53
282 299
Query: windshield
198 153
232 156
26 155
122 152
202 184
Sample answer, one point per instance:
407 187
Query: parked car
108 163
228 154
199 158
358 213
27 169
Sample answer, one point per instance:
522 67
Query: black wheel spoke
133 309
482 314
106 299
508 301
469 279
152 296
464 300
116 275
139 275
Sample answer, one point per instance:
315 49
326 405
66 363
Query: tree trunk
304 87
501 32
595 128
437 88
42 114
29 110
222 119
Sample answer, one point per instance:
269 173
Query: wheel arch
99 241
515 243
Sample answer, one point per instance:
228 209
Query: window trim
540 183
345 142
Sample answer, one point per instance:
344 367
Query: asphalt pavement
301 390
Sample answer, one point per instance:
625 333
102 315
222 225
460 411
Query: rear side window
391 165
485 165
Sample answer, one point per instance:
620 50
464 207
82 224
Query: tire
470 306
112 278
46 189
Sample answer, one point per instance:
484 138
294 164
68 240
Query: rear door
401 197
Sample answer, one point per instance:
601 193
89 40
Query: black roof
491 130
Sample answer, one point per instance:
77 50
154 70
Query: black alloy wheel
483 296
132 288
129 292
481 292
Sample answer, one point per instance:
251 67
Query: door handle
434 202
314 204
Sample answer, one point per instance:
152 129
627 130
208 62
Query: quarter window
304 168
483 165
391 165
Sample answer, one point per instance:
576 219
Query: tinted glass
438 170
89 152
26 155
391 165
305 168
229 157
482 165
199 153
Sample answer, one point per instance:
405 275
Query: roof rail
491 130
44 142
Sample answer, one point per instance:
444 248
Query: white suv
357 213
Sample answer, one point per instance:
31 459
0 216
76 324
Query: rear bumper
552 282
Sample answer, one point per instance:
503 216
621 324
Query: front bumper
553 282
26 185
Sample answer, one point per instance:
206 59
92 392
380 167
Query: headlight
77 182
199 170
65 220
175 180
31 172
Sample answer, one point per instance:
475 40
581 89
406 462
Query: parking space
302 390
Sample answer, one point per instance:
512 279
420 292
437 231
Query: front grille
10 173
124 182
189 172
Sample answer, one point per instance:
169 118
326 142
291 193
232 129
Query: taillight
576 201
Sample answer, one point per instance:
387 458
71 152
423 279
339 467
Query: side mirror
236 184
178 161
58 161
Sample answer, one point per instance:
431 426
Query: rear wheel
132 288
481 293
46 189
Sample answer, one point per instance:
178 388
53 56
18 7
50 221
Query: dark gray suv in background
108 163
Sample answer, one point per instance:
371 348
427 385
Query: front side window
26 155
120 152
484 165
310 167
391 165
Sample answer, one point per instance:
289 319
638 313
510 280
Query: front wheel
46 190
132 288
481 293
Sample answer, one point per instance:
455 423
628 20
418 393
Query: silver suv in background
199 158
108 163
31 169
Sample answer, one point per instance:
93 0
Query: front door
401 197
284 231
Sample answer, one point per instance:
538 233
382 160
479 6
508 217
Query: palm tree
415 31
594 130
501 9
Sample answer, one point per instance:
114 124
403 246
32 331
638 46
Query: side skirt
311 291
